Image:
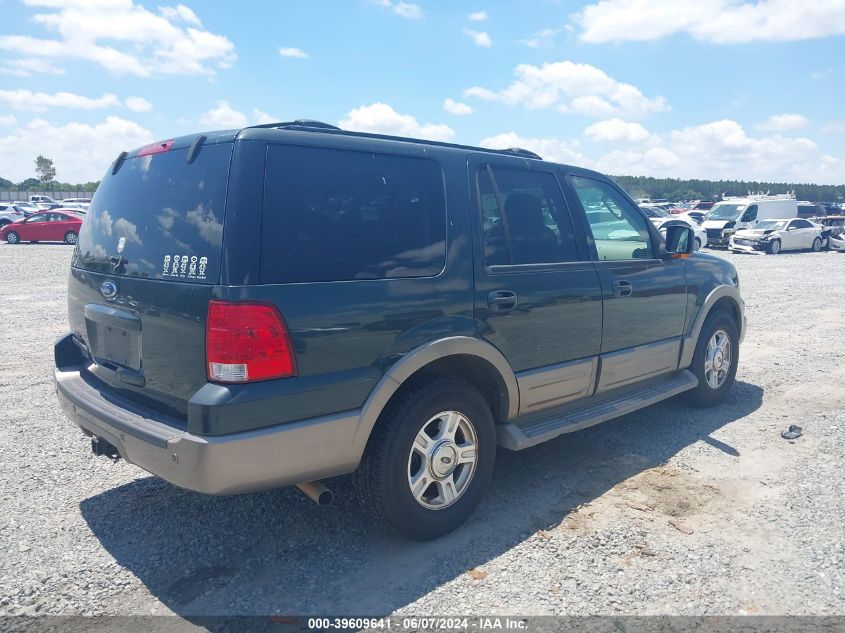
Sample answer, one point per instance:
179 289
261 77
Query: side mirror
680 241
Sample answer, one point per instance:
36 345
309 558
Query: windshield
771 225
159 217
655 212
725 211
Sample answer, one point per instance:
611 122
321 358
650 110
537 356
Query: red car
47 226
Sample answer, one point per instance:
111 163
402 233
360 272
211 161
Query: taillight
245 342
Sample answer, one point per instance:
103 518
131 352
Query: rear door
537 295
35 228
645 297
147 257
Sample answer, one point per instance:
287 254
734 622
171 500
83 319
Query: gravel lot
665 511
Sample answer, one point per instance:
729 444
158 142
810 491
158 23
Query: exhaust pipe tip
317 492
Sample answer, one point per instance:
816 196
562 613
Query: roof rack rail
522 152
298 123
319 126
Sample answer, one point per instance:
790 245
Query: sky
715 89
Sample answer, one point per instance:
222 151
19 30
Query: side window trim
500 202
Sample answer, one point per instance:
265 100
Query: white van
733 214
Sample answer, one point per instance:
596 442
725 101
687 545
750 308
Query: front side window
750 214
525 219
334 215
618 229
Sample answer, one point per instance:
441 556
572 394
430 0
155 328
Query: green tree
44 169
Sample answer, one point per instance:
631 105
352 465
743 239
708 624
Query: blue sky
739 89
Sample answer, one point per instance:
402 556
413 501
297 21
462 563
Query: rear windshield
159 218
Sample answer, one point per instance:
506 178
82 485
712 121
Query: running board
516 437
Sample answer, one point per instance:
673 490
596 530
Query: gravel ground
665 511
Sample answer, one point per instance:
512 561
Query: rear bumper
241 462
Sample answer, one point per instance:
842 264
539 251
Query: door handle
502 300
622 288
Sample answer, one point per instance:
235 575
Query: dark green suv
289 302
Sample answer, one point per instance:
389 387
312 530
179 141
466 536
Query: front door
35 228
645 296
799 234
538 297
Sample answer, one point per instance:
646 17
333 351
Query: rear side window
525 219
159 217
333 215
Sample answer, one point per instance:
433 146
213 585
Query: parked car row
46 203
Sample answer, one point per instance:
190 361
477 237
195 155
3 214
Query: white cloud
406 10
139 42
138 104
783 122
289 51
834 127
223 116
180 12
478 16
821 74
715 150
380 118
8 119
29 66
456 107
479 38
718 21
81 152
541 39
553 149
40 101
572 88
617 130
261 117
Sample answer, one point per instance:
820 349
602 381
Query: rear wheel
13 238
697 244
774 247
715 360
817 245
70 237
429 459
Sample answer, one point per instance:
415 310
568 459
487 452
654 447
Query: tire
13 238
394 457
774 247
697 244
717 327
817 245
71 237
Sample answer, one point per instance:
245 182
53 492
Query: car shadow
277 552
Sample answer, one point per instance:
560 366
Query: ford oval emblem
108 289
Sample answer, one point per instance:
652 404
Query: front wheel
70 237
13 238
429 459
817 245
715 360
774 247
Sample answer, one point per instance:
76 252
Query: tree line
674 189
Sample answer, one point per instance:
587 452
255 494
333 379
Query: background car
49 226
659 217
82 203
811 210
833 232
10 213
774 236
28 208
